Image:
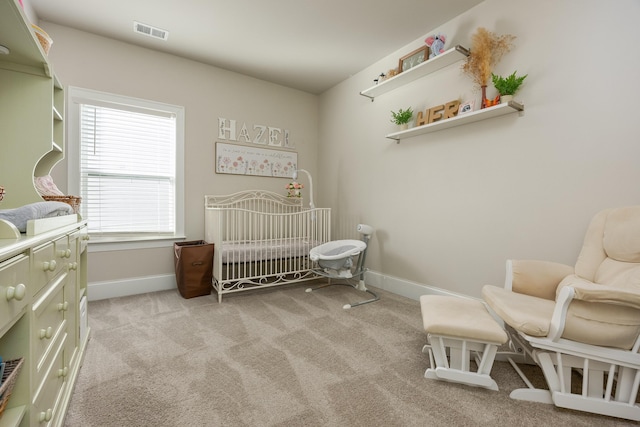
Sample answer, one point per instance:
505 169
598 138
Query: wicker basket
9 377
71 200
43 38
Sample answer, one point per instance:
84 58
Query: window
127 165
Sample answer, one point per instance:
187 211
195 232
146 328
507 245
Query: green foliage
507 85
402 116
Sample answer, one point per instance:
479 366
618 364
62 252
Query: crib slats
262 239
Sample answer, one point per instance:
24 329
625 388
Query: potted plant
402 117
507 86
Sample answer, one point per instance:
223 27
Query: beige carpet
281 357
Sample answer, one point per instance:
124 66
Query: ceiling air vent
148 30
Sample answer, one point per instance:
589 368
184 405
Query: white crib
262 239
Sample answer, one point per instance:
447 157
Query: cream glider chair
585 319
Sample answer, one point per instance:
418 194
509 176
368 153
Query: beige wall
88 61
451 206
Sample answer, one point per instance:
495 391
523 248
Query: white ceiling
309 45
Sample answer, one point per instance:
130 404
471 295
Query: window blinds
127 170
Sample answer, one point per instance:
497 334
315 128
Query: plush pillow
46 186
620 234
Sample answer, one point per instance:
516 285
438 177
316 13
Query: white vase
505 98
404 126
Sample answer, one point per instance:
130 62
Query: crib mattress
263 250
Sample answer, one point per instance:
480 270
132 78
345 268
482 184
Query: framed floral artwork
247 160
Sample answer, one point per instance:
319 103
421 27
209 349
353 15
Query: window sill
122 243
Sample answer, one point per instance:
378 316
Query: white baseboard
136 285
406 288
141 285
414 290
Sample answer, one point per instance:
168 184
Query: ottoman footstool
461 328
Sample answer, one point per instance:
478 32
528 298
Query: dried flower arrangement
487 49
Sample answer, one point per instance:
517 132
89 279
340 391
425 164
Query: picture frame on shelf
466 107
414 58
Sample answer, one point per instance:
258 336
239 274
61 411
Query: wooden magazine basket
71 200
9 377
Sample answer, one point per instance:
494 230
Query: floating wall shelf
460 120
447 58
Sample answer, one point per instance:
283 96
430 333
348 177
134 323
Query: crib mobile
335 261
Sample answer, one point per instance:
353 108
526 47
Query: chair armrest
559 317
593 292
536 278
578 289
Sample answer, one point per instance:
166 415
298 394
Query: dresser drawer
48 320
71 254
63 250
83 238
14 275
48 395
44 359
48 261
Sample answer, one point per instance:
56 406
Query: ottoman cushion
460 318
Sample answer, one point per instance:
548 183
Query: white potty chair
460 328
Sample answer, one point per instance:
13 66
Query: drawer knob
63 306
62 253
49 265
46 416
62 373
73 266
16 292
46 333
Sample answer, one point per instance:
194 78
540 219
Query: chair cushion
610 244
528 314
621 231
592 253
618 274
601 323
538 278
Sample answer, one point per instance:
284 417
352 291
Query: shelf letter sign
440 112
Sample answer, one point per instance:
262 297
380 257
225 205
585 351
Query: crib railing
256 200
262 239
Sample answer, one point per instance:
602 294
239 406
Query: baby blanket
20 216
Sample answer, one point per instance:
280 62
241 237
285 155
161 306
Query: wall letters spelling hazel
263 135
